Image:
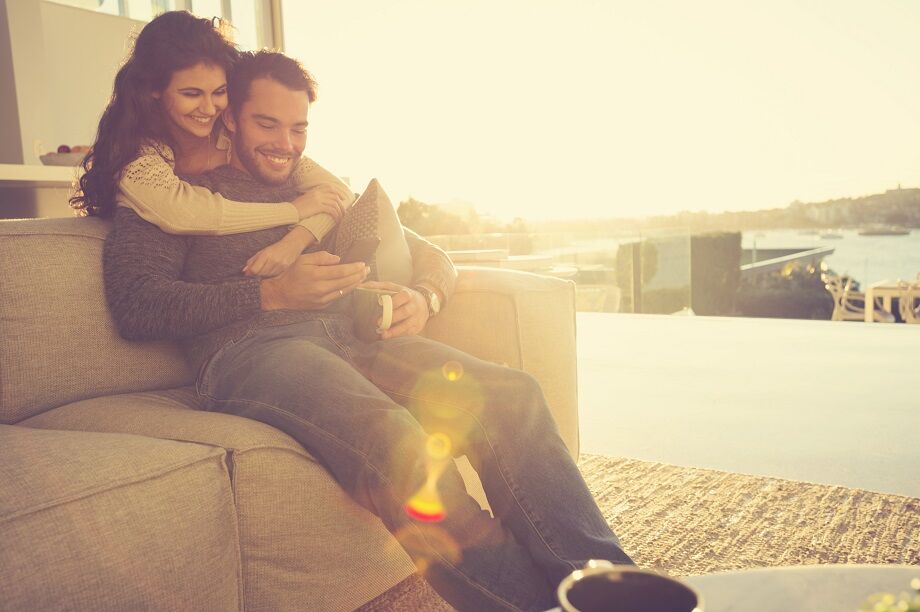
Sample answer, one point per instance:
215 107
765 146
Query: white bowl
62 159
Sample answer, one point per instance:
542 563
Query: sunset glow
555 109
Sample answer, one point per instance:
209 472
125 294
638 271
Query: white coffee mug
370 305
602 586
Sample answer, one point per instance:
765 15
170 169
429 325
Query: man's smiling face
269 131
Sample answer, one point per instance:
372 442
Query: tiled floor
820 401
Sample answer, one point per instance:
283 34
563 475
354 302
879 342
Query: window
251 19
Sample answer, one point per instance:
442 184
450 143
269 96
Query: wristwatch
431 298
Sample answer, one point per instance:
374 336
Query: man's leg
499 418
298 378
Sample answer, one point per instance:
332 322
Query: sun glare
426 504
562 109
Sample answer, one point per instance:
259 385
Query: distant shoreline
896 208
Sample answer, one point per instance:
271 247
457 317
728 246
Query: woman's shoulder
154 165
160 149
304 166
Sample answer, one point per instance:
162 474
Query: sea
868 259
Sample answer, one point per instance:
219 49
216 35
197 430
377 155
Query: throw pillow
373 214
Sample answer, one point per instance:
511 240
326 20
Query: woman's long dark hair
173 41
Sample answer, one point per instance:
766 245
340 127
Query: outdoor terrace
818 401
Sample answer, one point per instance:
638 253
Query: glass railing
635 272
653 273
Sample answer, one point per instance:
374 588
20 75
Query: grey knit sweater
189 288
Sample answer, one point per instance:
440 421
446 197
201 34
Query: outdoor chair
850 305
909 301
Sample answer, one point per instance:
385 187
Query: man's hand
410 310
312 283
320 199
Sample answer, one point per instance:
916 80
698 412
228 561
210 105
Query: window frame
270 25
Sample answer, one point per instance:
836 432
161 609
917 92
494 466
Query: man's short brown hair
273 65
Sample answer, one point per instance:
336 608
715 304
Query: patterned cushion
373 215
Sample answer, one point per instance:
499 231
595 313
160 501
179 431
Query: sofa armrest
522 320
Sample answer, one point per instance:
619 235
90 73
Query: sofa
118 493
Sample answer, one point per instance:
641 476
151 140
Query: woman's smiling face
194 98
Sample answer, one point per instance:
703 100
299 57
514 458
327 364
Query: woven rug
693 521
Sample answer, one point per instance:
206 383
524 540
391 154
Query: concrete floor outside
820 401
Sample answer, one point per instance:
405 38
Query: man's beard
249 158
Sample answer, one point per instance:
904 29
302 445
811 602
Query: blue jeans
365 411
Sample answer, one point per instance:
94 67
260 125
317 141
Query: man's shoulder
238 185
126 216
219 178
129 225
205 179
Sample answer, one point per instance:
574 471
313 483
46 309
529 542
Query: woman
164 118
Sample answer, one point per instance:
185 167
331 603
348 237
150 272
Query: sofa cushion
59 342
92 521
303 538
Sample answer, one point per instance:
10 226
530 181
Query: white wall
60 64
24 75
57 64
10 142
83 51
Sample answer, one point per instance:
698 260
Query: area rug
693 521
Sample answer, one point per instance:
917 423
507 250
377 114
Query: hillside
895 207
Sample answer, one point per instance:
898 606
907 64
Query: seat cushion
303 538
93 521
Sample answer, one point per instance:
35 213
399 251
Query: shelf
21 175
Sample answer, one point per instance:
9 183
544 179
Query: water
868 259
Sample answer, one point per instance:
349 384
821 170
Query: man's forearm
147 299
431 266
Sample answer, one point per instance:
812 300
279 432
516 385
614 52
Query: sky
552 109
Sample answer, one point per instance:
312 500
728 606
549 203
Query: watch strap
431 299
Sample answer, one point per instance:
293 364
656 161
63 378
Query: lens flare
426 509
444 399
452 370
428 544
426 504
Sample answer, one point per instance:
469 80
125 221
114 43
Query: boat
883 230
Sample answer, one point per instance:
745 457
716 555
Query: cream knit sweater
150 187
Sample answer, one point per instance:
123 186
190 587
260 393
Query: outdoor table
886 290
800 588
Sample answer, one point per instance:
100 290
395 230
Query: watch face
431 298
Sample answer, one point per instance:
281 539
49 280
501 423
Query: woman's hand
276 258
320 199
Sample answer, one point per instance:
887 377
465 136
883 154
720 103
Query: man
281 350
